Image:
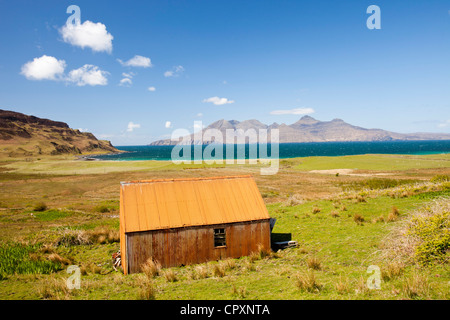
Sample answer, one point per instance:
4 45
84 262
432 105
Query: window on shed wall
219 238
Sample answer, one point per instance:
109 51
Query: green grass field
341 223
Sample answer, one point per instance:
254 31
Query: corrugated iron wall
191 245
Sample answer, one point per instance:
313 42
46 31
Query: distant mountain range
24 135
308 129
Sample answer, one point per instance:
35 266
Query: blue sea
292 150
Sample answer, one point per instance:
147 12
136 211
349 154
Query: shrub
440 178
101 209
433 235
315 210
40 206
359 219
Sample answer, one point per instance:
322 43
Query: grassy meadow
346 213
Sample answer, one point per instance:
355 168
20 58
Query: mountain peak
306 120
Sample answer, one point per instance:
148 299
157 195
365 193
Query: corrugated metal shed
175 203
175 221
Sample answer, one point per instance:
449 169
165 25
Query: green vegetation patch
16 258
433 235
52 214
375 162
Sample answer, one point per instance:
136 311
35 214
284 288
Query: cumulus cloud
132 126
44 68
175 72
296 111
168 124
137 61
151 89
126 80
88 34
88 75
218 101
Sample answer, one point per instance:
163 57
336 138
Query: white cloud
125 82
168 124
137 61
128 75
151 89
44 68
295 111
199 114
83 130
175 72
132 126
218 101
88 34
88 75
444 124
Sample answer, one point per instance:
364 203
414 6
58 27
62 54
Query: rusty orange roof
173 203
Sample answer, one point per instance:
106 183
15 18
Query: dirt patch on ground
349 172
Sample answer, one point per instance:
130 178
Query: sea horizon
290 150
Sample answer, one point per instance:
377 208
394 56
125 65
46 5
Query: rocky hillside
308 129
24 135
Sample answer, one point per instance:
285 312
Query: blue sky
208 60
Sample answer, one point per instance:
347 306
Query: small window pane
219 238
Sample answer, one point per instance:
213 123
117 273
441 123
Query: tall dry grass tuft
151 268
393 215
219 270
241 292
147 287
54 257
334 214
342 286
55 289
314 263
392 270
170 275
308 282
199 272
416 286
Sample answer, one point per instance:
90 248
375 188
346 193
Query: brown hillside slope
24 135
